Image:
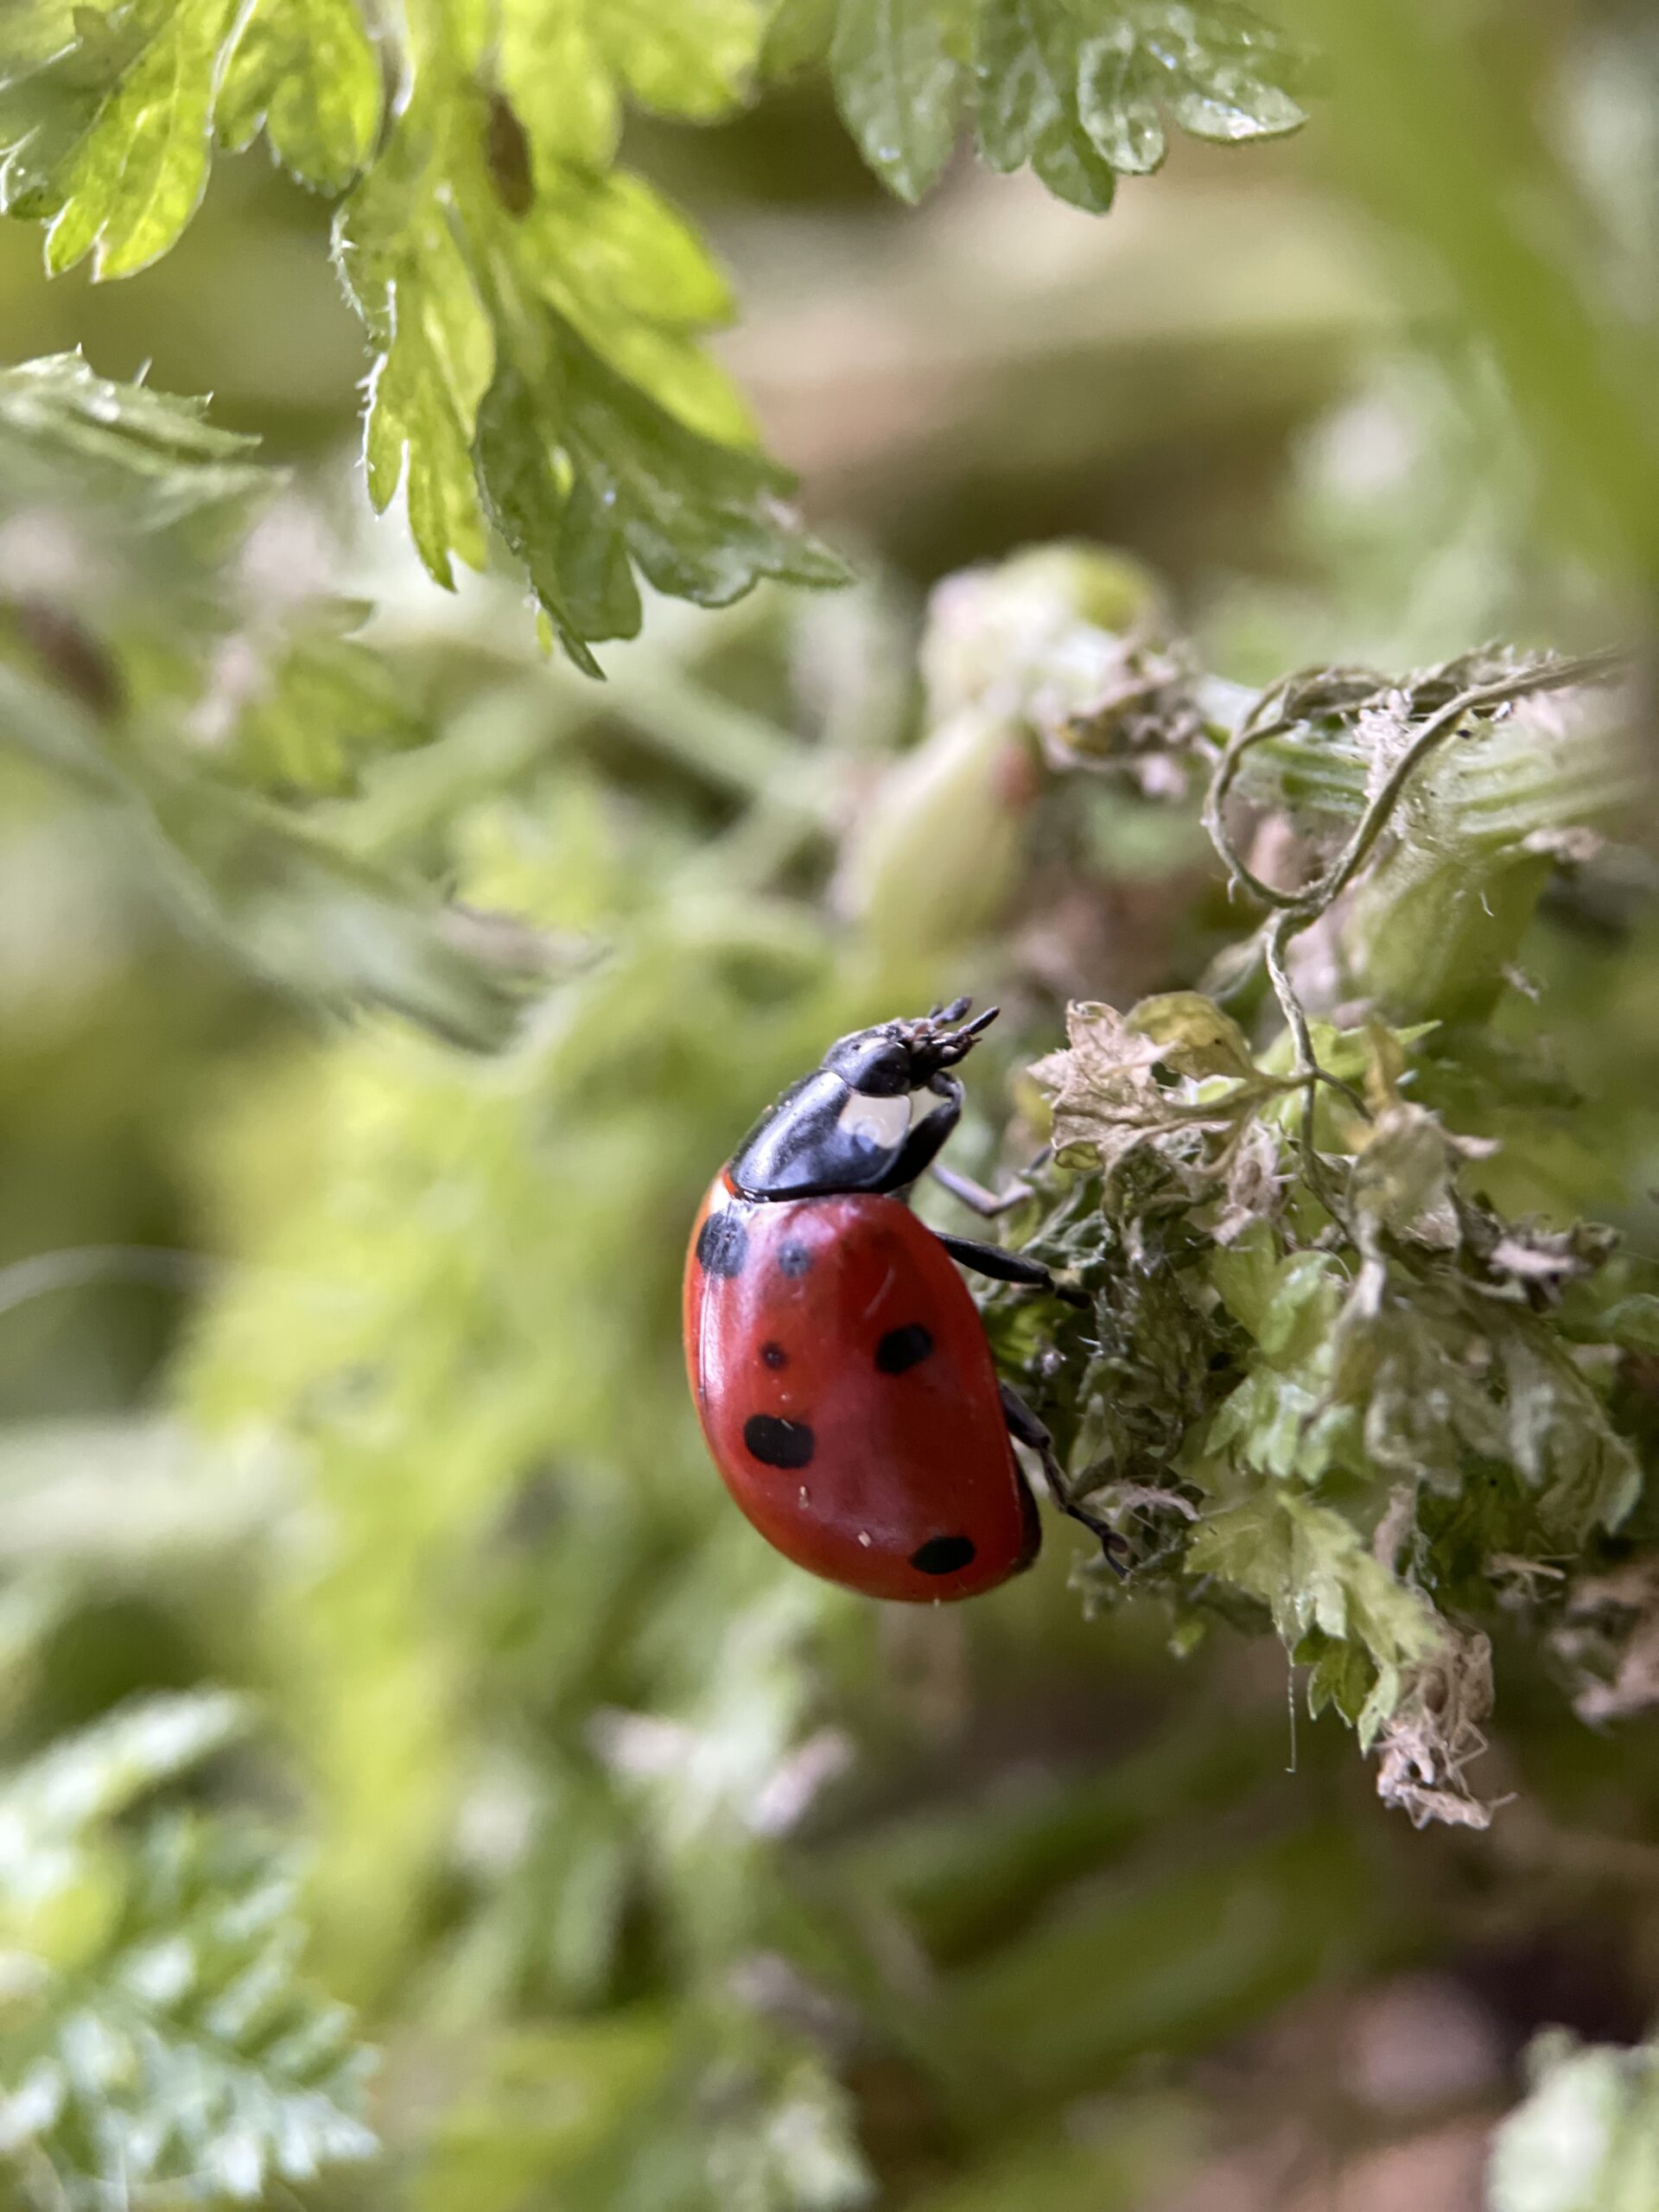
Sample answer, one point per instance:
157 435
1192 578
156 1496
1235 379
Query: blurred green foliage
378 996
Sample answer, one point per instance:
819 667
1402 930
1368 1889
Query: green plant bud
937 854
1047 620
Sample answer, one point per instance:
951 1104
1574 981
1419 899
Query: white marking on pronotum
885 1121
864 1538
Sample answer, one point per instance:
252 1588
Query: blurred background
338 1364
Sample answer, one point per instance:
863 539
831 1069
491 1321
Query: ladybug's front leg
919 1149
1025 1427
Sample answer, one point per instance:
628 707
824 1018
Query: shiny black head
897 1057
849 1125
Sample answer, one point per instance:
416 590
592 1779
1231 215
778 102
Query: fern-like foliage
136 663
1082 91
536 314
157 2045
1330 1379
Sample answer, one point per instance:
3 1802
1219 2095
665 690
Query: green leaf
306 71
1028 62
1218 70
313 708
1079 89
1197 1037
279 894
68 433
284 899
484 246
182 2059
636 281
900 77
797 34
407 271
1307 1564
577 561
112 139
562 90
586 477
48 1806
1587 2138
567 66
541 358
682 57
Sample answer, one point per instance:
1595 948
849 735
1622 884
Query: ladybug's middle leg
1025 1427
1008 1266
987 1205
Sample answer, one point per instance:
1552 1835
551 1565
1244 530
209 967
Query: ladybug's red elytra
840 1369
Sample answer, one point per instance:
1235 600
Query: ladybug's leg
1025 1428
977 1199
975 1196
1008 1266
920 1147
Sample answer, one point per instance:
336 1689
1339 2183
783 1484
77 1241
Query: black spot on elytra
779 1443
903 1347
722 1245
793 1259
774 1355
943 1555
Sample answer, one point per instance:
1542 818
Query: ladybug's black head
897 1057
852 1125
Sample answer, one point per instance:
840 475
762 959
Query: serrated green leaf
486 226
318 708
901 72
797 34
585 474
1028 62
1217 70
410 276
577 314
65 429
577 563
184 2060
112 139
107 1767
682 57
701 521
308 71
636 281
1079 89
1116 102
562 86
1309 1567
567 66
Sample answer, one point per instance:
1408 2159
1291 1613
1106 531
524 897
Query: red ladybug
840 1369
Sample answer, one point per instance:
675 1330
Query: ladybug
840 1369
